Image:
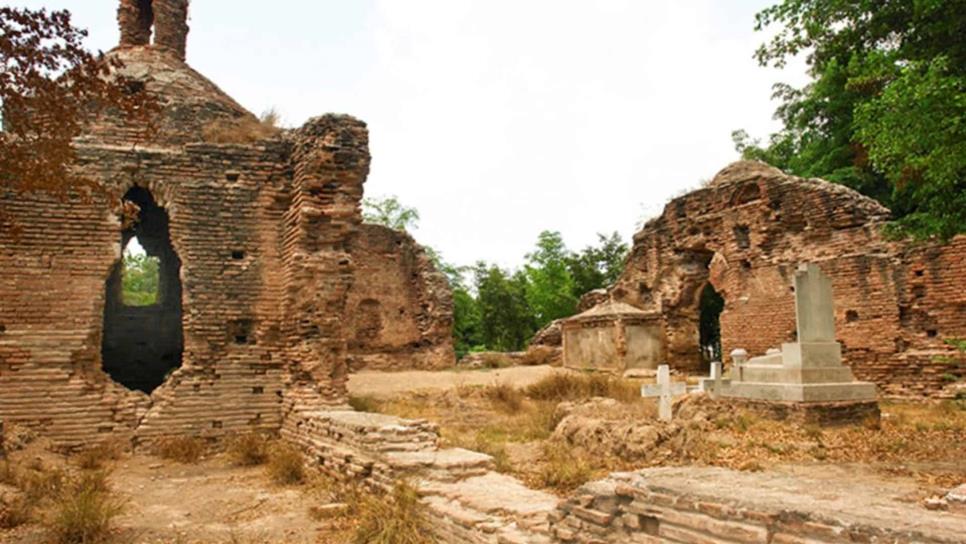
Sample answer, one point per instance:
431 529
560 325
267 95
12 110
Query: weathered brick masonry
256 246
895 303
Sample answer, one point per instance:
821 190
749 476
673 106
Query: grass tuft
364 403
397 518
562 470
565 386
85 511
183 449
249 450
286 465
504 397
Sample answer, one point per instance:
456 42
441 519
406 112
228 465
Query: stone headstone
814 312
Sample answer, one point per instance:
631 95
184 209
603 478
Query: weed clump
286 465
364 403
183 449
396 518
249 450
504 397
243 130
85 511
563 471
568 386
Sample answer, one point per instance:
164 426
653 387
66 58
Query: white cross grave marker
665 390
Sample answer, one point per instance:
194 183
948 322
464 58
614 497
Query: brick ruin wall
401 317
745 232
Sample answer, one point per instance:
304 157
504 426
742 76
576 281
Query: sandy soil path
387 384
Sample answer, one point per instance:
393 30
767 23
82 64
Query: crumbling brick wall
400 309
261 235
168 19
746 231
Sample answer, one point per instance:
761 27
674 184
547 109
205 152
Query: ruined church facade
265 269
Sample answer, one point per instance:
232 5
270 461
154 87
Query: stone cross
665 391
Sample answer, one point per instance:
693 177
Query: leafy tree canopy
48 87
884 113
389 212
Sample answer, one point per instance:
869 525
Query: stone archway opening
143 339
710 306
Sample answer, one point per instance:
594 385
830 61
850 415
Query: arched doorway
710 306
143 340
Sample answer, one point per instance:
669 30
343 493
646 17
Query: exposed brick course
746 231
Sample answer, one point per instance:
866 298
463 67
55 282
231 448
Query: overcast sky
498 119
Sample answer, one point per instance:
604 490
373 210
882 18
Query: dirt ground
534 440
386 384
210 502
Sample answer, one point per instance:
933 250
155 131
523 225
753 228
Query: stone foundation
812 413
719 506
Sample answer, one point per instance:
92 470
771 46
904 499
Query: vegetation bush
243 130
562 469
249 449
286 465
15 510
364 403
396 518
85 511
564 386
183 449
504 397
93 458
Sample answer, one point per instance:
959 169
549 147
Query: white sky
497 119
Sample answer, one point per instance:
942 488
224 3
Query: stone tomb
806 372
614 337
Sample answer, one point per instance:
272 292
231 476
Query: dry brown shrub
564 386
364 403
14 511
563 470
286 466
396 518
85 511
243 130
540 355
249 449
183 449
504 397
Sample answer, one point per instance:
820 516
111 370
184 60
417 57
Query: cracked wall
745 232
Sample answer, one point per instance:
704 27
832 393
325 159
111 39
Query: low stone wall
812 413
467 502
713 505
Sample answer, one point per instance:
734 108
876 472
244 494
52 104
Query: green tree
884 111
597 266
139 280
506 321
467 322
389 212
549 284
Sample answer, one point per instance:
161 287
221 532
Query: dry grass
286 465
504 397
183 449
396 518
364 403
85 511
540 355
249 449
243 130
93 458
569 386
562 470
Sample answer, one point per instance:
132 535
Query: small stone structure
267 274
745 232
614 337
809 372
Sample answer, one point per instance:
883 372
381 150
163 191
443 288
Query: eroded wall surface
400 308
746 231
